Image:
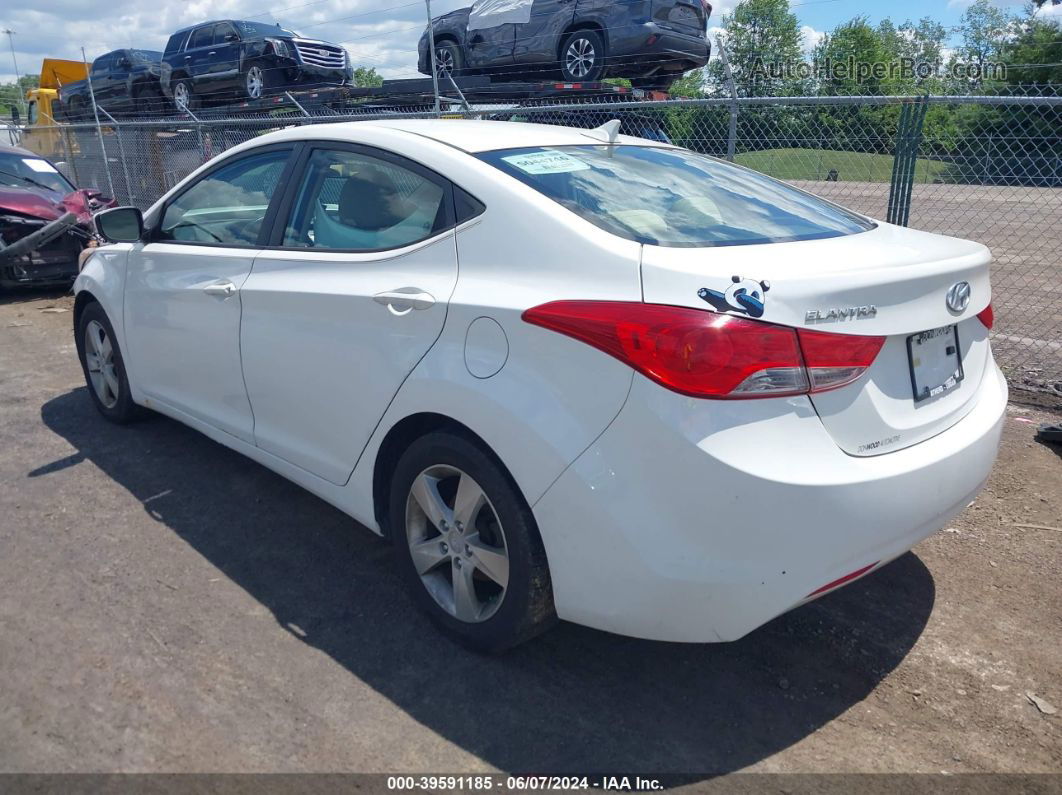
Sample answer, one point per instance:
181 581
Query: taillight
987 316
708 354
834 360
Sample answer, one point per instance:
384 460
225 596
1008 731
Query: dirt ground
167 605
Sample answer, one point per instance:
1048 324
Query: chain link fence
988 168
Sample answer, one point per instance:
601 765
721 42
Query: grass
815 164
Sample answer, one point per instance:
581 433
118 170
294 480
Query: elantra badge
958 297
837 314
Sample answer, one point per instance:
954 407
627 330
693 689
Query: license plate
936 365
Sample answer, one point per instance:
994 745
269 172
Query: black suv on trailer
231 59
650 41
123 81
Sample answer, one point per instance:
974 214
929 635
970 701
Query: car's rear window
673 197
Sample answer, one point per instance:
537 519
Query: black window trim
294 185
293 150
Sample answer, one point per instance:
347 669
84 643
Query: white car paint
663 516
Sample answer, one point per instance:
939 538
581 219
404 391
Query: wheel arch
575 27
82 300
399 437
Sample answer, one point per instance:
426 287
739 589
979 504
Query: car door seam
402 383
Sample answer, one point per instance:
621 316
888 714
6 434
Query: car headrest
369 201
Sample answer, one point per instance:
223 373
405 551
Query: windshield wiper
29 180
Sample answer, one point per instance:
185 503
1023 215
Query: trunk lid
888 281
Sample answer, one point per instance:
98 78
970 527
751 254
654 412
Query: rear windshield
673 197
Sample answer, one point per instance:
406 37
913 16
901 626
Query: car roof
18 150
468 135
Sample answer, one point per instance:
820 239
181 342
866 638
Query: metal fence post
121 154
96 114
731 139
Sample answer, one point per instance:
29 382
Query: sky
378 33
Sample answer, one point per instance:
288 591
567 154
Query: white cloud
809 38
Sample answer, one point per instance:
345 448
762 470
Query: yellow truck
40 133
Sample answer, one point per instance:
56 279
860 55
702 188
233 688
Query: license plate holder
935 360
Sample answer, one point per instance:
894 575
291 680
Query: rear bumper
630 49
691 520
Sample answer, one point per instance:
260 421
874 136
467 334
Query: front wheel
583 57
103 366
448 59
254 82
467 544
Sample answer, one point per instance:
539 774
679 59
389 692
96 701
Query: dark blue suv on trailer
650 41
232 59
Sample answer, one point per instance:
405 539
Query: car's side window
228 205
357 202
202 37
221 30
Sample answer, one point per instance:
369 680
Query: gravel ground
167 605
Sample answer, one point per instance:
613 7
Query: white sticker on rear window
546 163
40 166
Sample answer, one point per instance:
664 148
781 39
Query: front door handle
405 299
220 289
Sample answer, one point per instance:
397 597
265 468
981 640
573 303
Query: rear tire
184 97
480 572
582 57
103 366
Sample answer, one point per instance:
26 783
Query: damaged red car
45 222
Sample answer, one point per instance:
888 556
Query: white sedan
571 374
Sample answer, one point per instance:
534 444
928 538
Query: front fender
103 275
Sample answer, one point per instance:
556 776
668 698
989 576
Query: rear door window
674 197
354 201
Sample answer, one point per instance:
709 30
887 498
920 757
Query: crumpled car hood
49 205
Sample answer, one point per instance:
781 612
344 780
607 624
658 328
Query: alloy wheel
99 361
181 96
579 57
255 82
444 61
457 543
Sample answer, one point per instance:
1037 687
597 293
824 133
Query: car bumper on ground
696 521
632 46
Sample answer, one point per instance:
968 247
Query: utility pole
18 79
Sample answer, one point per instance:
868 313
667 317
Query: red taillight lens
834 360
706 354
691 351
987 316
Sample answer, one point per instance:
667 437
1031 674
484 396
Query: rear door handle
220 289
405 299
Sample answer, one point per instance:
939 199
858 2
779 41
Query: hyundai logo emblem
958 297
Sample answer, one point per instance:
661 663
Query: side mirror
15 115
120 224
231 37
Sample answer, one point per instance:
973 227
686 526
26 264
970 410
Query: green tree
367 77
985 30
10 93
1034 53
762 40
856 58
